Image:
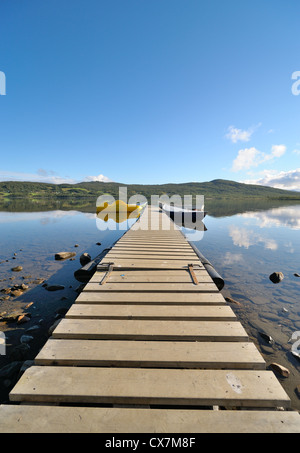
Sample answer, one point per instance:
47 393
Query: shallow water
245 245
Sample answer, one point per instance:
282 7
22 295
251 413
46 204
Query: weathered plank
177 276
155 312
152 254
150 330
164 354
152 263
150 386
59 419
187 287
166 298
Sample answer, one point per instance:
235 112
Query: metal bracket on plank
109 269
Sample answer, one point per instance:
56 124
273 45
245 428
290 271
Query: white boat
180 215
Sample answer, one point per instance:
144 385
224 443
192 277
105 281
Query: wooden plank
132 329
155 312
60 419
151 246
153 263
151 298
163 354
151 253
177 276
258 388
153 287
145 242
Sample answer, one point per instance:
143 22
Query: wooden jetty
149 346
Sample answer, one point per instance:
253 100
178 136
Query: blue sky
150 91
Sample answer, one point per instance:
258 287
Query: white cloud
288 180
278 150
100 178
246 158
235 135
47 176
252 157
40 176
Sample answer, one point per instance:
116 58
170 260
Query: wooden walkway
149 346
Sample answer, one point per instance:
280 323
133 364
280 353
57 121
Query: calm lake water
245 243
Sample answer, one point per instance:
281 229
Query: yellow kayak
118 217
119 206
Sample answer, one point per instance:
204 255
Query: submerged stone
276 277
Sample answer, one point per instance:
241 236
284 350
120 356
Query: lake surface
245 242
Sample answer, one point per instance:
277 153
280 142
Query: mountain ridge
220 188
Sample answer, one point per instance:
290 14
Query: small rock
22 319
76 245
232 301
27 364
276 277
29 305
5 290
17 269
31 329
13 316
54 287
53 327
64 255
297 275
62 311
266 337
285 310
16 292
38 281
26 339
280 369
84 259
98 243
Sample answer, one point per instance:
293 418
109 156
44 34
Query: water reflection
243 237
284 216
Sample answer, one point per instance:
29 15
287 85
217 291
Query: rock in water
280 369
84 259
276 277
64 255
266 337
232 301
17 269
54 287
297 275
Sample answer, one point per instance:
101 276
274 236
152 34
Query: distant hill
216 189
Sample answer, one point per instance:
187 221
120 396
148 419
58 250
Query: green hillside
215 189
